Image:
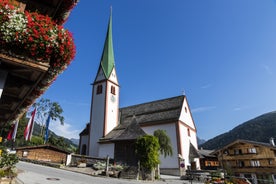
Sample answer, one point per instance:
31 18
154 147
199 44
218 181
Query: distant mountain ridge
259 129
37 129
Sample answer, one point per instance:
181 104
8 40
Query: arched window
99 89
188 132
113 91
83 149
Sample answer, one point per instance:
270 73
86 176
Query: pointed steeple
107 60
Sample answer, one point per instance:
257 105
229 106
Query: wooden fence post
106 166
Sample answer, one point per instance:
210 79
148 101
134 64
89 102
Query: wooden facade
207 160
125 152
45 153
253 160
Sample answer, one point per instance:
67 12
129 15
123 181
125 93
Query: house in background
45 153
208 161
254 160
113 130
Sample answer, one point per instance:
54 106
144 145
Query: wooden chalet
28 67
254 160
208 161
44 153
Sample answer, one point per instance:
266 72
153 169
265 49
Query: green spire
107 60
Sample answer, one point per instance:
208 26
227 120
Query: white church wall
100 76
112 108
106 150
113 76
186 115
185 142
168 162
96 128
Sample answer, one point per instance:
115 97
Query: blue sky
221 53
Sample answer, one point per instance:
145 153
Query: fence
76 159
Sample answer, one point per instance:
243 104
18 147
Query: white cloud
203 109
65 130
206 86
240 108
267 69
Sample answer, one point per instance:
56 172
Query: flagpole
14 133
32 125
29 128
47 128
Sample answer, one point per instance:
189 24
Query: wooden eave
23 77
58 10
45 7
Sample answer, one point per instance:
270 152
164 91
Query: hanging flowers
36 36
32 36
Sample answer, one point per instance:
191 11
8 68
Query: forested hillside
260 129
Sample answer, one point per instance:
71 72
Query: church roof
107 59
154 112
193 153
132 117
85 131
125 132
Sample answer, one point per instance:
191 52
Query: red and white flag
29 128
13 131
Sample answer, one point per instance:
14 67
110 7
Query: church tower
105 96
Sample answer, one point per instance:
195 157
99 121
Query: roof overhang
22 77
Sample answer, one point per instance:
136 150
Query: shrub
147 150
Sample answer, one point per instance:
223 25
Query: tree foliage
58 142
44 108
147 151
164 142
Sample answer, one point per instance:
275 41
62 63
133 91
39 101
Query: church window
188 131
113 91
99 89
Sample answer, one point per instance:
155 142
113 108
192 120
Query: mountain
37 132
75 141
259 129
200 141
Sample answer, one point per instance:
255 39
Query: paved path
37 174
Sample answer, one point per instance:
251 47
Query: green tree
164 142
36 140
45 108
147 151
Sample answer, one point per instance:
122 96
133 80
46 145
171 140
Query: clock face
113 98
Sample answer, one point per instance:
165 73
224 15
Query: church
112 131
